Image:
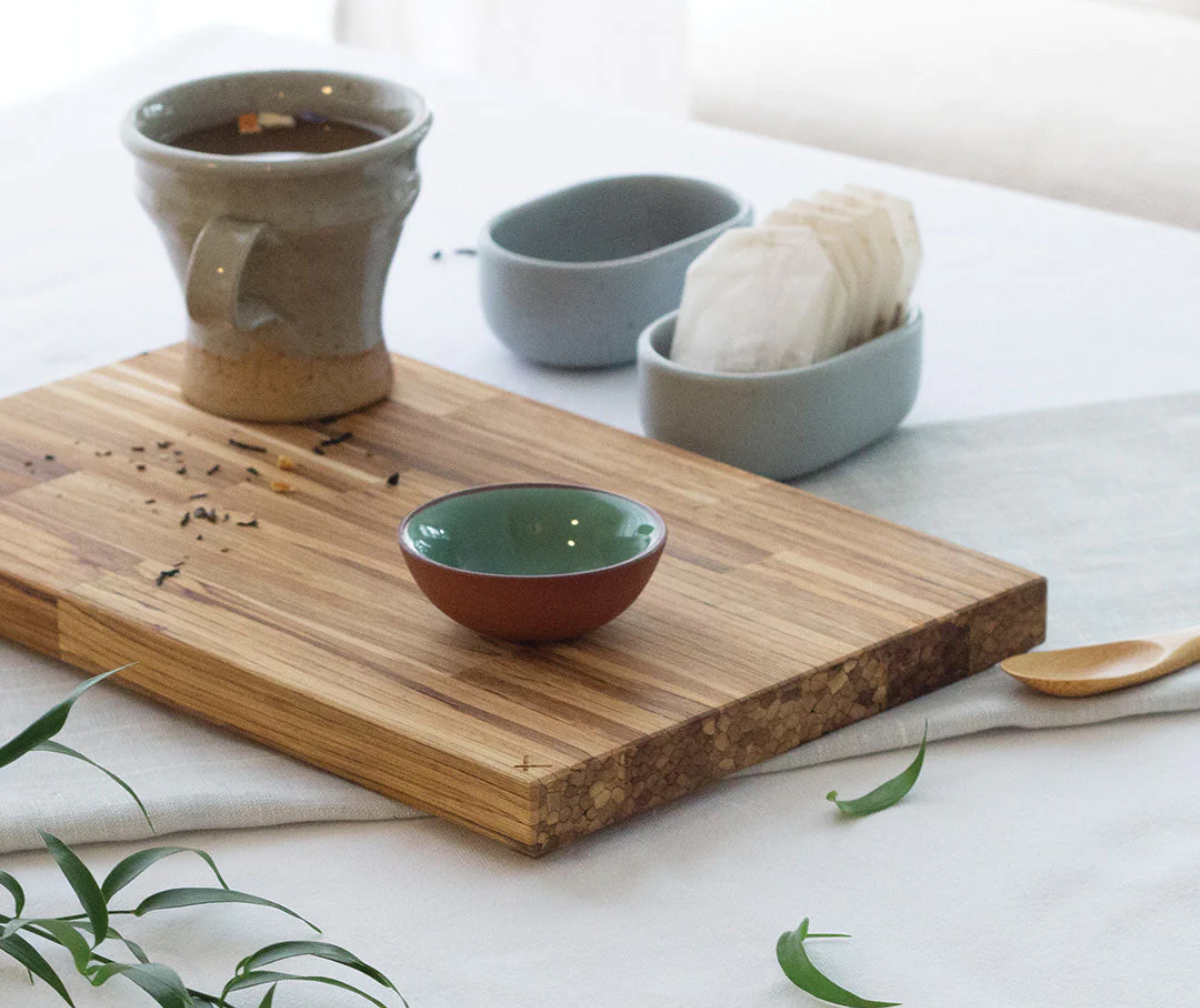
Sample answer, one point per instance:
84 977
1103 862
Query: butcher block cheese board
251 574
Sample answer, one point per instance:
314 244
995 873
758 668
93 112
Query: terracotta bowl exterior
533 606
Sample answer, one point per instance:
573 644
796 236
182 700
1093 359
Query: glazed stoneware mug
282 256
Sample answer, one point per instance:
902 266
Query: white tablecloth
1055 867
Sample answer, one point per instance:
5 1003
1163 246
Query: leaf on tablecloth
798 968
888 793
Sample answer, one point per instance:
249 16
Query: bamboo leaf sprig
39 737
889 792
798 968
82 935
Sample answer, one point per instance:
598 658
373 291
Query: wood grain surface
774 616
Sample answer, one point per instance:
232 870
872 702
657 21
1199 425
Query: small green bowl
532 561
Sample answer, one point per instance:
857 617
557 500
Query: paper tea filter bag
890 226
759 299
874 223
849 253
818 277
904 222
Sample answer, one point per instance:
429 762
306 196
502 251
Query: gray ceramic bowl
571 279
780 424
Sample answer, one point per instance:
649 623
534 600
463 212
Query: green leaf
888 793
268 1000
321 950
247 980
13 925
83 882
209 999
171 899
51 746
32 960
138 952
67 935
50 723
789 950
161 982
131 867
14 887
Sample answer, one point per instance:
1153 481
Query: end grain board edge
774 616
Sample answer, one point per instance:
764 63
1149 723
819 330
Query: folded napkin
1104 500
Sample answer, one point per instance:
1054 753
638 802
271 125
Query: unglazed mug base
267 386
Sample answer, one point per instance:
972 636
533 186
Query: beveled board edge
673 763
29 615
591 795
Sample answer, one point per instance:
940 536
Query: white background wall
46 45
626 52
621 52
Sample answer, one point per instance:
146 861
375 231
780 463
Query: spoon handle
1182 649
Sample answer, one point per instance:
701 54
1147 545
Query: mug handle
214 276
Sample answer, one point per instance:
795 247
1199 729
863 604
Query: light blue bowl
571 279
780 424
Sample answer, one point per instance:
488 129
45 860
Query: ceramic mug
282 261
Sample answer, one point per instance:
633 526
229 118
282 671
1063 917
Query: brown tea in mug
247 136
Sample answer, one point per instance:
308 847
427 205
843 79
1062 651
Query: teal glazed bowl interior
780 424
570 279
532 561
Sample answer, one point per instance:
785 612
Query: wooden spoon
1099 668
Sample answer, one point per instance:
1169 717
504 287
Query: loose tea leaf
798 968
888 793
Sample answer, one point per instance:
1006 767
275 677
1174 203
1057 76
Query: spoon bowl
1099 668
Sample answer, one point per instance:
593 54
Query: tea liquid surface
277 142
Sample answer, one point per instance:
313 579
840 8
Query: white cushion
1074 99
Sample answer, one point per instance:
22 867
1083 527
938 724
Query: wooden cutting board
774 616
